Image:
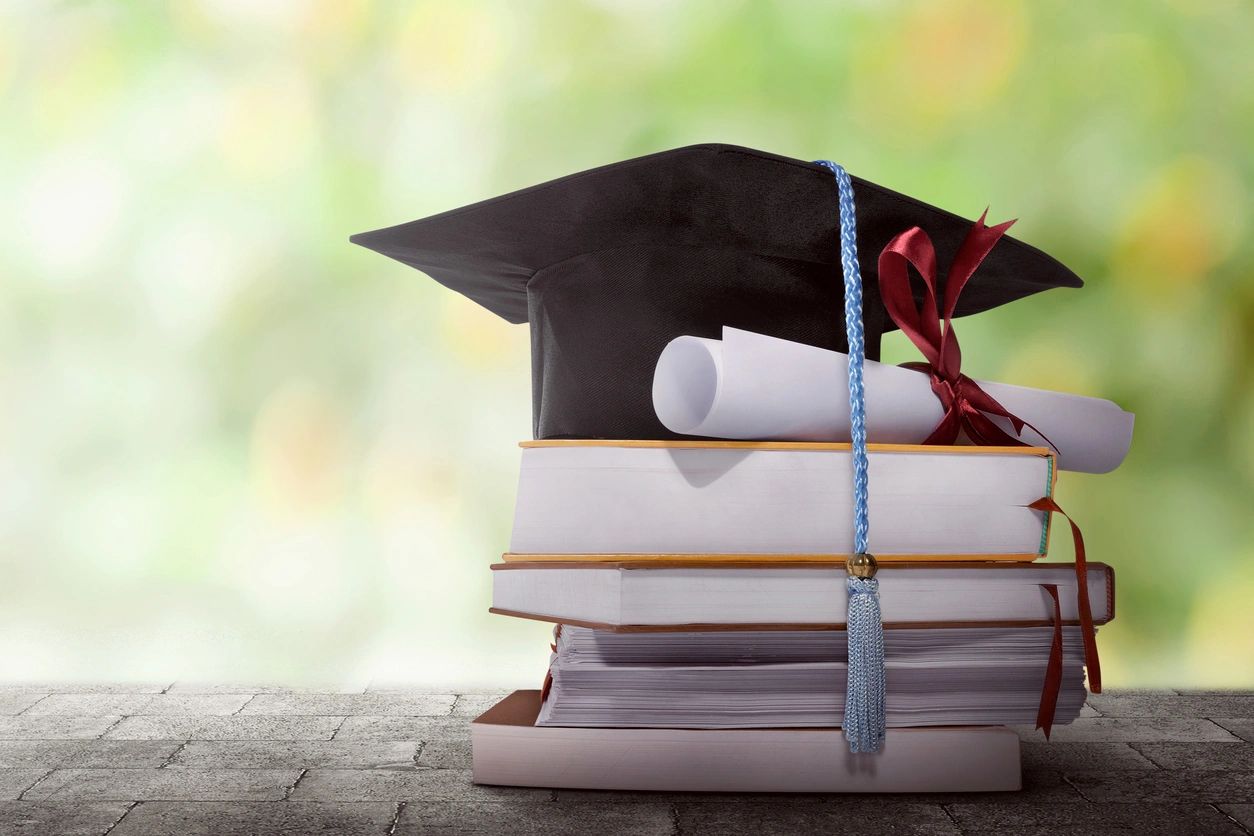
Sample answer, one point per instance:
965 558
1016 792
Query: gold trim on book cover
631 562
684 559
831 446
706 627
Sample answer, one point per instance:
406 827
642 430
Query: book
710 680
694 497
509 749
643 596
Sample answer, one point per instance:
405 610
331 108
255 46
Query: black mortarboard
611 264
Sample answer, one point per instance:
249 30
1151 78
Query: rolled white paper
751 386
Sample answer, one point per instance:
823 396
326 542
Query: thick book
663 596
509 749
722 497
781 679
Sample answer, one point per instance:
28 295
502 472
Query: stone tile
43 818
251 819
86 687
86 754
531 818
413 705
260 688
1183 786
420 786
1087 710
413 690
1129 730
1039 785
1243 814
1242 728
404 728
53 727
1238 757
225 728
13 782
790 817
15 702
1086 819
165 785
128 704
1109 756
298 754
471 706
1197 706
445 754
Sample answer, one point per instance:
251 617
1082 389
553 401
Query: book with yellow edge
726 501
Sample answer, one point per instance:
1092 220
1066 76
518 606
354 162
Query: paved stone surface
1242 728
190 758
26 727
1235 757
13 782
530 818
1132 730
17 702
1193 819
87 754
1107 756
1145 704
251 818
798 816
225 728
405 705
443 753
63 818
420 784
404 728
298 754
189 705
164 785
86 687
1242 814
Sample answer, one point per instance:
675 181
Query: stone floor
224 760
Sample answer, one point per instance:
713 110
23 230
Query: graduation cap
609 265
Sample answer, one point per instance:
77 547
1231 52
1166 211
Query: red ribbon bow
967 406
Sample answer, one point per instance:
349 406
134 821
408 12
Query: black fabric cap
611 264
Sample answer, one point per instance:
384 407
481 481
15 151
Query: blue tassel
864 721
864 695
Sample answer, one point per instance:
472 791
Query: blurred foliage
234 446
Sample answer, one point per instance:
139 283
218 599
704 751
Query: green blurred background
233 446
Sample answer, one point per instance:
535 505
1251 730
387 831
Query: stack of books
697 588
699 617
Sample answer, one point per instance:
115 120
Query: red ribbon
1052 685
1053 669
967 406
1091 662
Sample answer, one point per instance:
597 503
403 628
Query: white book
752 679
509 749
626 595
661 497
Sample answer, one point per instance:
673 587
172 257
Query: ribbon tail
1091 663
1052 684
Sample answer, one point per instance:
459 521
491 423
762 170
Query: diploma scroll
751 386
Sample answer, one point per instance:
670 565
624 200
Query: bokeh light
233 446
